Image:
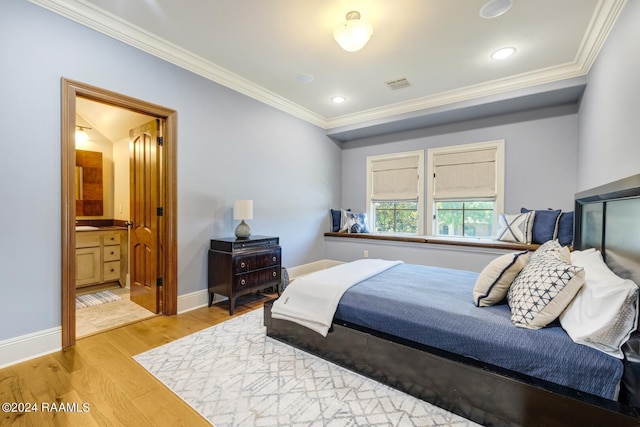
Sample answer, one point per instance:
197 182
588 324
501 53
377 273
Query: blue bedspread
434 306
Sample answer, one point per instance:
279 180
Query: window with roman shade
465 189
465 174
395 192
395 179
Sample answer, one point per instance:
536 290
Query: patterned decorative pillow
515 227
494 280
542 290
354 222
336 215
545 225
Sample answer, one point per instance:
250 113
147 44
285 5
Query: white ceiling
441 46
112 122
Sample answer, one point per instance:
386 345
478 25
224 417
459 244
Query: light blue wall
229 147
609 119
540 173
540 151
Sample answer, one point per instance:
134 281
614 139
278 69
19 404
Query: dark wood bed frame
483 393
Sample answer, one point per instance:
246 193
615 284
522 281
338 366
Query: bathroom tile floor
96 319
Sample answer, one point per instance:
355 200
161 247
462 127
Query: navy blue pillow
335 219
565 229
545 223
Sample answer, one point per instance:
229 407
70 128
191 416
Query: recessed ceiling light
495 8
339 99
503 53
304 77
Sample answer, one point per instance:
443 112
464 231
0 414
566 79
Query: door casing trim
168 233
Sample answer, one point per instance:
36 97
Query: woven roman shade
465 175
395 179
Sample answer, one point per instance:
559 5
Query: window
464 218
395 192
466 187
396 217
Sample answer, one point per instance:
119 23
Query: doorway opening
152 162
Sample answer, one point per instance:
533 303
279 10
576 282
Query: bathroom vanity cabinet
101 257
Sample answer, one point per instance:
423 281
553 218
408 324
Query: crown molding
602 22
467 93
85 13
113 26
607 12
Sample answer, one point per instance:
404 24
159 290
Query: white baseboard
30 346
301 270
195 300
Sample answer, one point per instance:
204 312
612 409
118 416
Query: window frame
498 145
421 194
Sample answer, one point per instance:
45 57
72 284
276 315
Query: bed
519 382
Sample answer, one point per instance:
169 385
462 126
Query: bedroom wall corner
608 122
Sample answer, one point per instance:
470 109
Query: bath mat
91 300
235 376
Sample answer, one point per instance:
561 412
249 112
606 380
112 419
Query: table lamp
243 209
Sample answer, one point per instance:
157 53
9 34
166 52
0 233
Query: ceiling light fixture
354 33
338 99
495 8
503 53
81 135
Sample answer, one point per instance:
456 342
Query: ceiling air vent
398 83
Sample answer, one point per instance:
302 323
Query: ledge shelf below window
454 241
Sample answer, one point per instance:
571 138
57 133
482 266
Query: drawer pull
274 274
274 259
242 264
242 282
112 270
112 252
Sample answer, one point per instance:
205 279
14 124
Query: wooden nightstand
242 266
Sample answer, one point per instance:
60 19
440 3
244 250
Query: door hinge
160 141
159 281
159 211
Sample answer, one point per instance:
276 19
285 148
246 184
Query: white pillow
493 282
577 254
515 227
543 289
605 311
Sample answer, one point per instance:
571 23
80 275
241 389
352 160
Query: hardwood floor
100 373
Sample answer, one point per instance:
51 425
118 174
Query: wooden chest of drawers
241 266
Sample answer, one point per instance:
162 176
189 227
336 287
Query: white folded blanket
312 300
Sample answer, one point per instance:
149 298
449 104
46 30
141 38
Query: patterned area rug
91 300
234 375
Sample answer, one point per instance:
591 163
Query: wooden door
145 245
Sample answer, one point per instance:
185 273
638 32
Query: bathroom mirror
88 187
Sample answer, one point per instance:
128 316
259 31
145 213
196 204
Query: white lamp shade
353 34
243 209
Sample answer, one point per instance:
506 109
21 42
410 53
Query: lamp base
243 231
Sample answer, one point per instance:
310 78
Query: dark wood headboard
608 218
